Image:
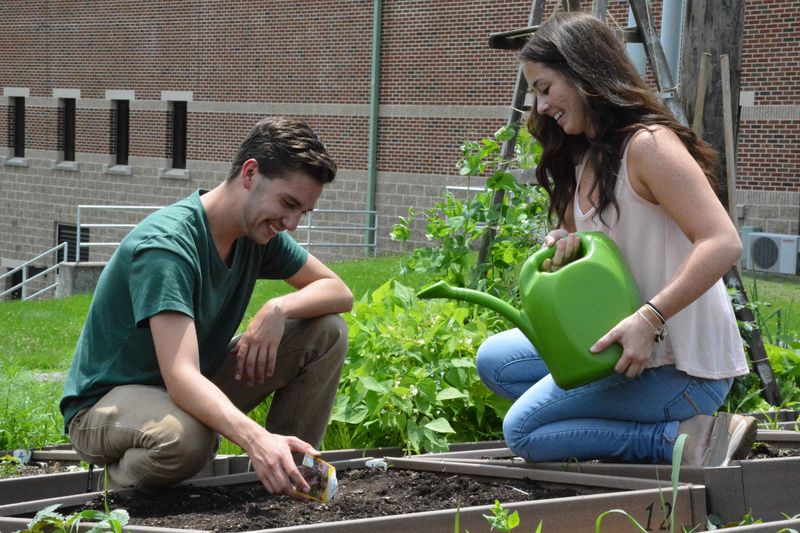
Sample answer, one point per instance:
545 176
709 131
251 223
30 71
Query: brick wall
769 141
440 84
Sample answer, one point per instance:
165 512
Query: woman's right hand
567 245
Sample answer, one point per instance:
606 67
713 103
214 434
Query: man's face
277 204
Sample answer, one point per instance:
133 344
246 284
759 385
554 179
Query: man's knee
332 328
184 446
324 336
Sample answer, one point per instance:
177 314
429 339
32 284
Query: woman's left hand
637 340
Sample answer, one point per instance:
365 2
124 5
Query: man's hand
567 247
257 350
271 457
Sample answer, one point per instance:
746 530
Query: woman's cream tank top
703 338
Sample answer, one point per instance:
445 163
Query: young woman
616 161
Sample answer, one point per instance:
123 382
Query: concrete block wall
440 85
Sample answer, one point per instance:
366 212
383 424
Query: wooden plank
716 28
755 344
575 514
772 487
546 476
730 142
700 99
725 496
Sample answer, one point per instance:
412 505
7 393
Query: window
178 134
17 119
12 281
69 233
68 128
120 140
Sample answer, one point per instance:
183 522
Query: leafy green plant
773 321
8 466
714 522
501 519
745 395
410 376
456 227
48 520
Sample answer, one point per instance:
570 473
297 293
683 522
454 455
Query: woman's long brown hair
617 103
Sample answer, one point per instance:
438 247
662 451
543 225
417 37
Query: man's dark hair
281 145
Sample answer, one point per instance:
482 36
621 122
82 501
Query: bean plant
456 227
410 375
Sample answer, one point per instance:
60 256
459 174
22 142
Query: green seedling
669 510
48 520
501 519
8 466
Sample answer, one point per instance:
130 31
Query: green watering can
565 312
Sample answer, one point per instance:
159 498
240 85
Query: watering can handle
547 252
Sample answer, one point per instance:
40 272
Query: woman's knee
516 436
487 358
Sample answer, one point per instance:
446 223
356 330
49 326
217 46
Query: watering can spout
442 289
563 313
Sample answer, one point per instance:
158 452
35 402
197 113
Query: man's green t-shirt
167 263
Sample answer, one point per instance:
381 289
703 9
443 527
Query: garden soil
363 493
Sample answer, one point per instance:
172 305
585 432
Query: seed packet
321 477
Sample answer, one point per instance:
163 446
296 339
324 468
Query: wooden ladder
645 34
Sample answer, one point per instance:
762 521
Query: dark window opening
14 280
18 121
120 129
69 233
178 134
68 129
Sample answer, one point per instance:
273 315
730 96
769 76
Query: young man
154 380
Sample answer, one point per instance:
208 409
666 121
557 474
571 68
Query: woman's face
557 97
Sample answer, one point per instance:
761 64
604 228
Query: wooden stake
700 100
727 125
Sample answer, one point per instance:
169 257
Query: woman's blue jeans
634 420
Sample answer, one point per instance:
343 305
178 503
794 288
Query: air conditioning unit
773 252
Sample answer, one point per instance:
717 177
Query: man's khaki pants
144 439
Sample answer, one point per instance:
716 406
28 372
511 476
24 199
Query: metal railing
371 230
307 228
23 285
79 225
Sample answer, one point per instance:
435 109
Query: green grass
38 338
782 295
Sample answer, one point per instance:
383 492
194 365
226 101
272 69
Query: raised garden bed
767 484
568 501
782 419
48 477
